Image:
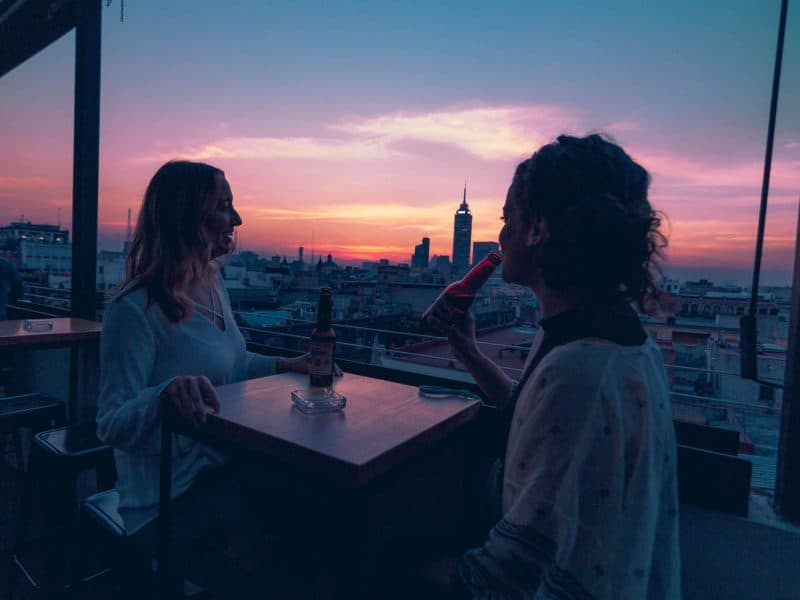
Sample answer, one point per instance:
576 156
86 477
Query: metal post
747 324
86 151
787 483
165 505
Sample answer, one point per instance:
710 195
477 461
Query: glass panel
36 104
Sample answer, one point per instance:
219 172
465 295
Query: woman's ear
537 232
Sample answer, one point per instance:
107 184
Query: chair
713 480
103 509
33 411
704 437
58 457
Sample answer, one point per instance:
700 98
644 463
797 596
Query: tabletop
383 424
65 330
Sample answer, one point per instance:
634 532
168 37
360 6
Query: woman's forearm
494 383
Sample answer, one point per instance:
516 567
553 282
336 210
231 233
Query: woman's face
515 242
222 221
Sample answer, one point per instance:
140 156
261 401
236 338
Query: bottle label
321 368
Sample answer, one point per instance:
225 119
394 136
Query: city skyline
350 130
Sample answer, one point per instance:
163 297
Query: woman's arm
260 365
128 409
460 330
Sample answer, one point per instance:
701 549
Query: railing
758 421
41 297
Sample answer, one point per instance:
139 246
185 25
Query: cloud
685 169
486 132
385 215
619 126
269 148
792 145
490 133
10 183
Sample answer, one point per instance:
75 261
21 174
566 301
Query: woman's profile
169 336
586 492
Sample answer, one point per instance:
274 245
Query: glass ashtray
37 324
318 400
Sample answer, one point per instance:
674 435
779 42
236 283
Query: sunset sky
354 125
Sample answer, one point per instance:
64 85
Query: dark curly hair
604 239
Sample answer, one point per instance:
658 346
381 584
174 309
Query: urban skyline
346 129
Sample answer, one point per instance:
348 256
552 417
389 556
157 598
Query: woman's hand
459 327
191 398
301 364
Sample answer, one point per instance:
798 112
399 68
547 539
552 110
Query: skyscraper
481 249
421 253
462 237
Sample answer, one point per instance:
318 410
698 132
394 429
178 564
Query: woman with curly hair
587 494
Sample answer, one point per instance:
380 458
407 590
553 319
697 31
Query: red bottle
323 343
460 294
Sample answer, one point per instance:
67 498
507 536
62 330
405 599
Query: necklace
212 310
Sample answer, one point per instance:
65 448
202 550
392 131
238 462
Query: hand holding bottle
459 295
458 325
302 364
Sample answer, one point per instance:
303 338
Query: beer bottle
460 294
323 343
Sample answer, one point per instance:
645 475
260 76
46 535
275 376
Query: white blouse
590 497
141 351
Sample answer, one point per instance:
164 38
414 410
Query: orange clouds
371 186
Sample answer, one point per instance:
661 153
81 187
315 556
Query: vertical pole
748 324
86 152
787 483
165 505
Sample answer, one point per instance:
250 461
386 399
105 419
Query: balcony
723 555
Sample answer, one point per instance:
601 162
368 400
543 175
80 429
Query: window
36 101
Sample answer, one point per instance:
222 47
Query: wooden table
383 425
66 332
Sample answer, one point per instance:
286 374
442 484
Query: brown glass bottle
460 294
322 349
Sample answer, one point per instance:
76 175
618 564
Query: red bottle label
321 368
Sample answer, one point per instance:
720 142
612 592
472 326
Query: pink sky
354 129
371 187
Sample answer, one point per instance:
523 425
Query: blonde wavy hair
170 248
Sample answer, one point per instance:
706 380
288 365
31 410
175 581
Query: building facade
462 237
421 255
481 249
19 231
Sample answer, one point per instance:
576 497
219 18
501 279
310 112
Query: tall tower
462 237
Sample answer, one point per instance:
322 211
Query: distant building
671 286
462 237
421 254
45 256
110 269
441 264
393 273
481 249
697 288
18 231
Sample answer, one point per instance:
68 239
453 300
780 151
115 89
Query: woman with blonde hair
169 335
